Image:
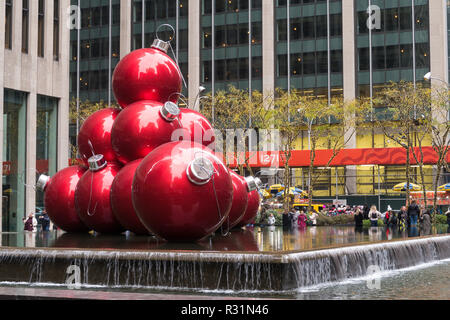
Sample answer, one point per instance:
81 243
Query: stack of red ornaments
137 174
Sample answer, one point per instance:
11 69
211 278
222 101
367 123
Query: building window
14 151
25 25
8 24
46 140
41 29
56 30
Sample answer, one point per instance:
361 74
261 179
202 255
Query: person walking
413 212
359 217
392 222
302 220
374 215
448 219
425 223
366 211
271 220
45 221
30 223
313 217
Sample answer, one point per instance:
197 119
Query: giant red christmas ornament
197 127
95 135
142 127
59 198
92 196
121 202
182 192
147 74
252 208
240 200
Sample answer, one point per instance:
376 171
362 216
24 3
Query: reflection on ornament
92 196
252 208
240 200
121 202
95 135
142 127
182 192
197 128
59 198
147 74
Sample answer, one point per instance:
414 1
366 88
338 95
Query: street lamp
197 98
428 77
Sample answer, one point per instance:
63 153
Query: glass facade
231 44
46 140
308 55
94 49
148 18
398 46
14 152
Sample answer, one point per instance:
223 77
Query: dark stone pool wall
231 271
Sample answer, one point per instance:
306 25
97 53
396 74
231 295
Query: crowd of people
407 216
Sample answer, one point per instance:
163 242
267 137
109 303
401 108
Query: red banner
345 157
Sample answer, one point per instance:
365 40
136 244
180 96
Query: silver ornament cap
97 162
253 183
42 182
200 171
161 45
169 111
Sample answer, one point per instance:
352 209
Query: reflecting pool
253 239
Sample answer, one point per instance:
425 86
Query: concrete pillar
349 81
34 71
2 68
438 41
194 67
268 47
438 46
63 89
125 27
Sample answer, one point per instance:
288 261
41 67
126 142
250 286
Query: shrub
366 223
440 219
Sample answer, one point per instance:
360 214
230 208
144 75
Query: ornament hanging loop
159 29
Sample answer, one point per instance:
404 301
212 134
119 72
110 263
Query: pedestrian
45 221
30 223
302 220
313 217
374 215
448 216
295 215
392 222
271 220
366 212
425 223
413 212
359 217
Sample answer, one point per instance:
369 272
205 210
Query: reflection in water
253 239
427 282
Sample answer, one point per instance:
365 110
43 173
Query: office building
34 99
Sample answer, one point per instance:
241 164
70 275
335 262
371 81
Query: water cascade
230 271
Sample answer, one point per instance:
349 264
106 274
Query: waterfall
331 265
206 271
